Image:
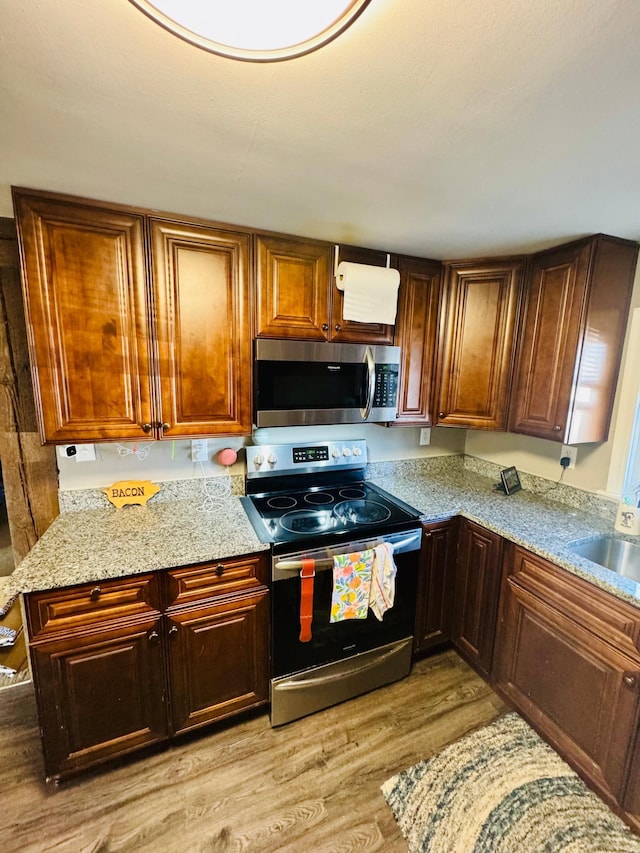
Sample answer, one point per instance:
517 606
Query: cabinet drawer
195 583
613 620
75 607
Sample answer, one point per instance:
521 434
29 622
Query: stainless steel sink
613 553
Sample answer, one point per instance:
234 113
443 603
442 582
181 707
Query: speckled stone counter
537 522
96 544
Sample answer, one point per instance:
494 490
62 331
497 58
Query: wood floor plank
311 786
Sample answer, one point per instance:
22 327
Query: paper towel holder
336 261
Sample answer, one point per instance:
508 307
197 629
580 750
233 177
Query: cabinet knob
154 637
146 427
442 415
557 428
165 426
173 630
219 569
325 327
95 593
338 327
629 680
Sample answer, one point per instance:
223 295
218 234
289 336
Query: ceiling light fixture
255 30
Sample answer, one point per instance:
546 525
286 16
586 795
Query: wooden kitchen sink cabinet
575 316
476 595
297 296
436 581
567 658
479 325
130 662
417 336
129 335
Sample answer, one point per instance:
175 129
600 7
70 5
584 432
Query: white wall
171 460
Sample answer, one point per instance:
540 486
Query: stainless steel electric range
312 502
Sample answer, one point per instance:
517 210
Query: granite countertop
96 544
538 523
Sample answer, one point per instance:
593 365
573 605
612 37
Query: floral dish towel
351 585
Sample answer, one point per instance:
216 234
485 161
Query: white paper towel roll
370 293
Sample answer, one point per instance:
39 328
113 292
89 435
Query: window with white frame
631 486
624 472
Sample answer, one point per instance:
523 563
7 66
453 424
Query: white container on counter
628 519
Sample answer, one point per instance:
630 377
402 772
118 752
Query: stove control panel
278 459
310 454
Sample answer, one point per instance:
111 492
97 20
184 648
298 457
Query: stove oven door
342 659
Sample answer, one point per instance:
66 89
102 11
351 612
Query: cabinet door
576 688
435 585
555 296
476 596
479 343
203 329
99 694
631 801
218 659
350 330
83 274
416 335
293 288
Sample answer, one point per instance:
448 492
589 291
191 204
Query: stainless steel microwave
303 382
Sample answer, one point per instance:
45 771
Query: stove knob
357 451
272 459
346 451
258 460
335 453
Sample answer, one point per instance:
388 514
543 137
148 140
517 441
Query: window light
258 30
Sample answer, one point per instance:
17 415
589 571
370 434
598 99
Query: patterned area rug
502 790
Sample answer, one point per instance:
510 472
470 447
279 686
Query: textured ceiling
444 128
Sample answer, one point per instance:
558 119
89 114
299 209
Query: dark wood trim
29 470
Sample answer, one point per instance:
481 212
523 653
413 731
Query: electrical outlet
85 453
571 452
425 435
199 449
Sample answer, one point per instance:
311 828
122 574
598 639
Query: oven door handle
371 383
411 542
296 565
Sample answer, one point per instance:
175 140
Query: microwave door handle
371 382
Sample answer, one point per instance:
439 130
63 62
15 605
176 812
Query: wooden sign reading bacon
128 492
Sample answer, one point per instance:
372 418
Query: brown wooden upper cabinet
128 336
479 325
576 310
416 335
297 296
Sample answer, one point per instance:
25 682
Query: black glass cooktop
354 508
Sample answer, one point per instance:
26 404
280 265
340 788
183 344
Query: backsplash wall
171 460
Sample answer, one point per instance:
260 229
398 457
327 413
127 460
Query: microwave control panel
386 390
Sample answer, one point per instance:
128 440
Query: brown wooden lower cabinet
100 694
567 658
114 673
476 594
217 660
435 585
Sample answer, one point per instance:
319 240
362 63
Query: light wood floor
312 786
